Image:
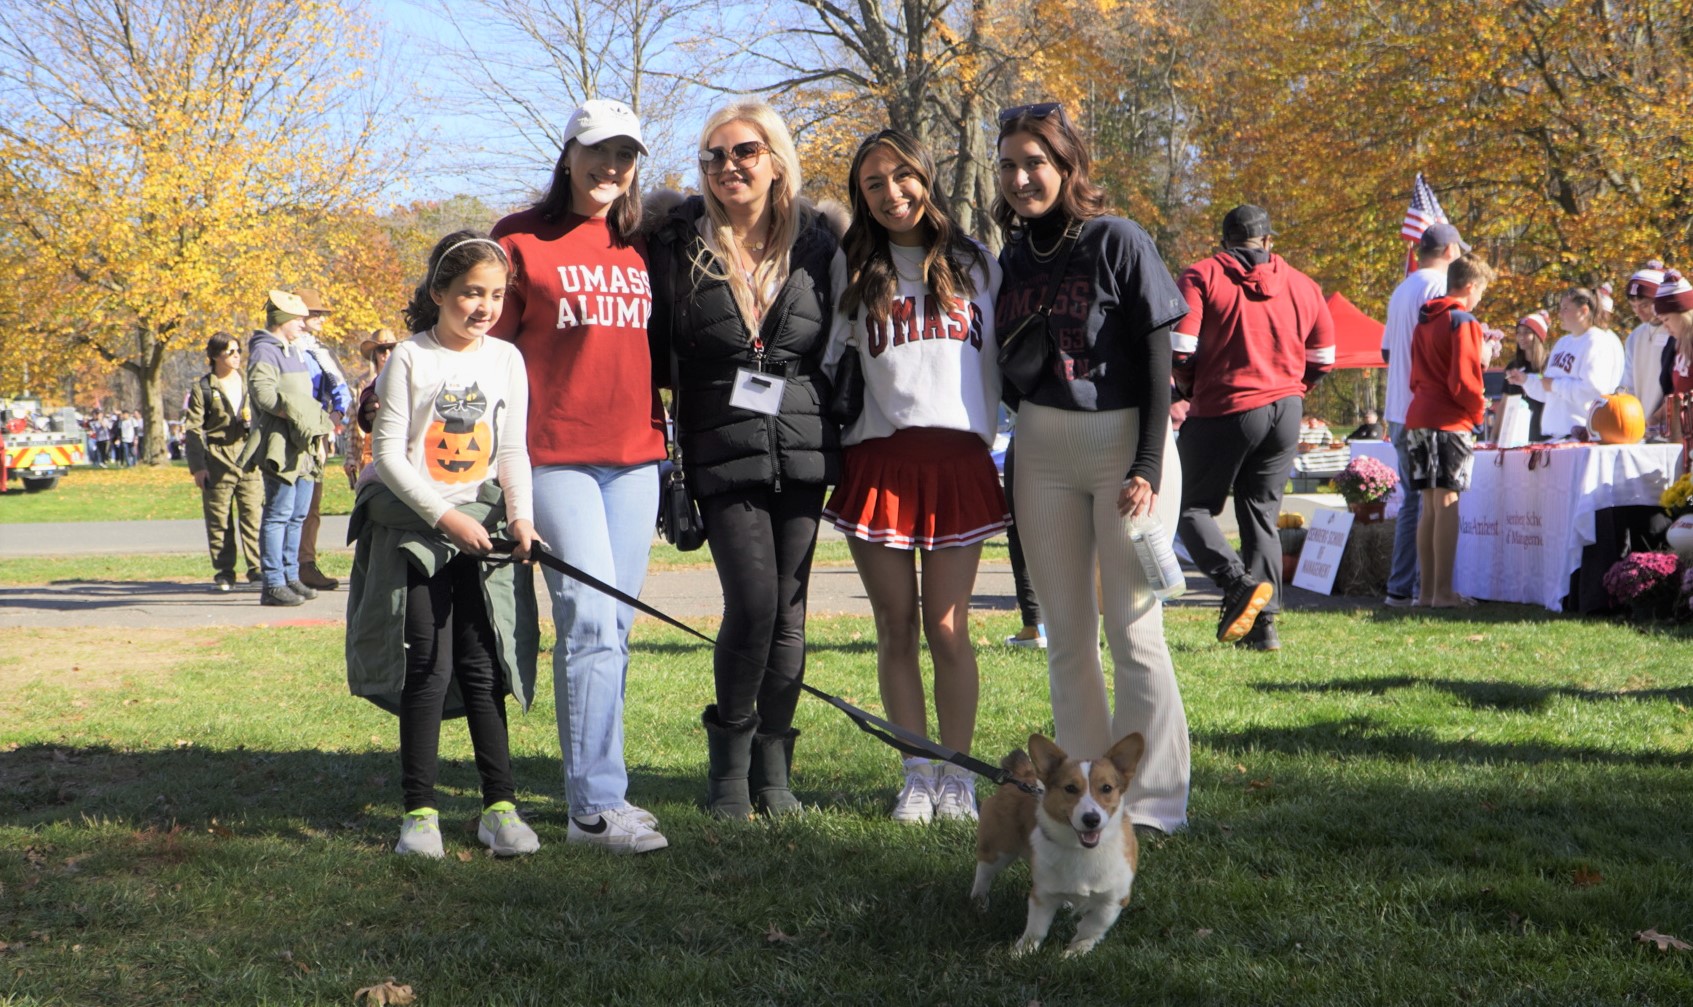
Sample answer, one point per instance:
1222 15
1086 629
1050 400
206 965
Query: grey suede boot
730 751
772 756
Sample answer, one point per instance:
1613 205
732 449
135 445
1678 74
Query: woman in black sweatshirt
1094 448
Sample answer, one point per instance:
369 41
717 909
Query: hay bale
1368 558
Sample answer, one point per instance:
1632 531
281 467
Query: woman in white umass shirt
917 309
1583 367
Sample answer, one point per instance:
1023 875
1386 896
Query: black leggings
449 640
1026 602
762 543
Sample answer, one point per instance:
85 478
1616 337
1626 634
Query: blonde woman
742 295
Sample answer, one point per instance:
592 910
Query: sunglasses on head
714 159
1039 110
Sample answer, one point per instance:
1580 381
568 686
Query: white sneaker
1394 601
619 830
642 815
915 804
506 834
1031 637
420 834
955 798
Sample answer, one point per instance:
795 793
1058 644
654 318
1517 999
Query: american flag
1423 212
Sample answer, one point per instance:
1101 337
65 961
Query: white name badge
757 391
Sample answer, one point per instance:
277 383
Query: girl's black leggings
450 642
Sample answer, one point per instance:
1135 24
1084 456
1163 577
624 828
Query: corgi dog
1079 844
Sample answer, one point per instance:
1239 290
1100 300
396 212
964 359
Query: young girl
917 307
1094 447
742 295
1584 365
452 471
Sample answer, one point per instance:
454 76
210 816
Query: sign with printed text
1325 543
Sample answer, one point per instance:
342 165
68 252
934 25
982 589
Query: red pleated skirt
919 489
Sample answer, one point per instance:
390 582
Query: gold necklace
1071 230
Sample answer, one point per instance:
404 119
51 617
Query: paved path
687 594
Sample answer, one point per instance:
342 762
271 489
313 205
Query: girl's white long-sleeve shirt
1584 368
449 421
927 364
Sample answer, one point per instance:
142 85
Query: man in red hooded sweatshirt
1256 338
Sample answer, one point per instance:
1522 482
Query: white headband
430 283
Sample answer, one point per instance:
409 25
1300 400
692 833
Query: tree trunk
148 367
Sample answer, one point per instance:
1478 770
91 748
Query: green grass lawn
1396 810
142 493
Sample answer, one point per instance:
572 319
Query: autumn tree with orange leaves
165 162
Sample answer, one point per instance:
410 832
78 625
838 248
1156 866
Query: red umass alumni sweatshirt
1251 337
577 308
1447 392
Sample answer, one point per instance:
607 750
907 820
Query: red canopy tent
1357 336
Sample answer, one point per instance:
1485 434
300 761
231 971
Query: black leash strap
889 734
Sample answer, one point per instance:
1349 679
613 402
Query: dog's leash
887 733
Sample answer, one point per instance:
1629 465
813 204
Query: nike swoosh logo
595 829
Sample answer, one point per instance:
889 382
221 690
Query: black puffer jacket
725 448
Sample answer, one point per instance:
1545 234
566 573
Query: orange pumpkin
456 457
1617 419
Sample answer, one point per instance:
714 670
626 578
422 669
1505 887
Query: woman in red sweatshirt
577 309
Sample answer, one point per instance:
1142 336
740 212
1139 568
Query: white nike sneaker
617 830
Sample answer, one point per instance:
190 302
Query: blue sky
460 141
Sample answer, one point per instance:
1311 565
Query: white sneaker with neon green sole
502 831
420 834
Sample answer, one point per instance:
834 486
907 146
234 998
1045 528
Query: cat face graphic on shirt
458 445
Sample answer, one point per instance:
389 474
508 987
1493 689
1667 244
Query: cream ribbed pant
1070 469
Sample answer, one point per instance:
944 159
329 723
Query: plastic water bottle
1157 557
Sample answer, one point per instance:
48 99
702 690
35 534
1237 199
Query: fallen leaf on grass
1263 784
288 958
466 856
388 992
1240 768
1477 638
1664 941
1585 878
776 936
1202 933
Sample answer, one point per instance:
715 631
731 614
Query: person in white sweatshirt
1643 353
1585 365
918 473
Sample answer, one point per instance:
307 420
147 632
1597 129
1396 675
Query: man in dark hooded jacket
1256 338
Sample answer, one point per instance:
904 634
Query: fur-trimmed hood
661 205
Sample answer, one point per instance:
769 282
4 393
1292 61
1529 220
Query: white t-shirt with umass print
925 365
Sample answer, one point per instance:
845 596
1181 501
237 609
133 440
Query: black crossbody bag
1026 352
679 519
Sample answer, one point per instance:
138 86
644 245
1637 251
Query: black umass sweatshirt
1111 321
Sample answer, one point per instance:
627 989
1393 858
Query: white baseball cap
598 120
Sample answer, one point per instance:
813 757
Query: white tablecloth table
1521 531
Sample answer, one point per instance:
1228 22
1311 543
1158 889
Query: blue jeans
600 520
286 505
1402 577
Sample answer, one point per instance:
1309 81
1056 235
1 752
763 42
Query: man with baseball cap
1256 338
282 443
1438 247
330 389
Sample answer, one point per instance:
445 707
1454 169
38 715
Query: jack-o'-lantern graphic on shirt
459 445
